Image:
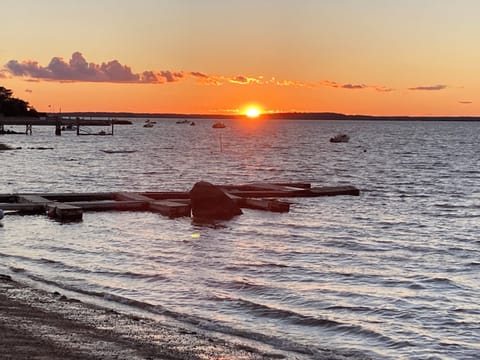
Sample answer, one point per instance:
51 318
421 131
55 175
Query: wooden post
58 128
112 127
78 126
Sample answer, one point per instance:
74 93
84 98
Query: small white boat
340 138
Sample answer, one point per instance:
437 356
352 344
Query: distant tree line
11 106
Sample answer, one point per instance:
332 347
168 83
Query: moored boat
340 138
218 125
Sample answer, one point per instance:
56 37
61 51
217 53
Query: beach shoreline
39 324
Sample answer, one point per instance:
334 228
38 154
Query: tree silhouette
11 106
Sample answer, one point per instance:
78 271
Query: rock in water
209 202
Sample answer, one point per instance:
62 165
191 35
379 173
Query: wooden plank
66 197
313 192
268 205
260 204
26 208
276 186
167 195
32 199
335 190
126 196
64 212
296 185
7 198
271 193
170 208
110 205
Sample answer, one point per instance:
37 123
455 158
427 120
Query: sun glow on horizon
252 112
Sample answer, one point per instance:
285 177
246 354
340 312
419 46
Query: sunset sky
377 57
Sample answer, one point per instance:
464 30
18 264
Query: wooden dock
70 206
61 124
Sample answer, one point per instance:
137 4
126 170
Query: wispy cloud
240 79
28 91
349 86
429 88
465 102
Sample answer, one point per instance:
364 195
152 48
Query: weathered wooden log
170 208
167 195
131 196
66 197
35 199
24 208
260 204
335 190
109 205
64 212
267 204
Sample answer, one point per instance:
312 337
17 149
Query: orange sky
411 57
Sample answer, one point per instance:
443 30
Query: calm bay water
393 273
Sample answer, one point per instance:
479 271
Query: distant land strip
275 116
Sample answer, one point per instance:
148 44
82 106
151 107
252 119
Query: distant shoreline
276 116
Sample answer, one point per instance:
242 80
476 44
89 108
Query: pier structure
67 207
60 124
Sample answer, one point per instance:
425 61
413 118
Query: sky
374 57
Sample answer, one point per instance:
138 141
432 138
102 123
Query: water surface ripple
393 273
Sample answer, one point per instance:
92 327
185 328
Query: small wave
283 314
16 269
203 323
238 266
349 308
110 273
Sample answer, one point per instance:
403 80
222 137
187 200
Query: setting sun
252 112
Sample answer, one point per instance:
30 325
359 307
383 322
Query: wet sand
36 324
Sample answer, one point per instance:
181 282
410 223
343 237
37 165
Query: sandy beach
37 324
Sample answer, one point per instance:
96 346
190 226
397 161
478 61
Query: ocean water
393 273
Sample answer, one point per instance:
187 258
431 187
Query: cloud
206 79
29 91
465 102
78 69
353 87
429 88
244 80
383 89
334 84
329 83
